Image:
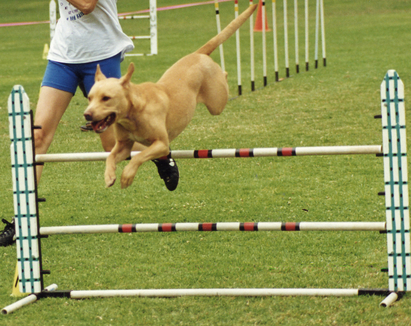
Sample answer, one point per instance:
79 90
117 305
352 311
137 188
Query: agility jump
397 226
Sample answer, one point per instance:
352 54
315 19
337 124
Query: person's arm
85 6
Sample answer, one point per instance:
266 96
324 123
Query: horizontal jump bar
221 226
77 294
225 153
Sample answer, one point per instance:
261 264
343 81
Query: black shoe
7 236
168 171
87 127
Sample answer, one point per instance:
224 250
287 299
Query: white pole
264 45
275 39
217 17
212 292
252 50
287 67
25 301
317 19
323 33
307 55
297 61
237 40
388 301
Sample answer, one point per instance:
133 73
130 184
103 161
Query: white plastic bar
212 292
25 301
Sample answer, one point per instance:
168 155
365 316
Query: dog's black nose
88 116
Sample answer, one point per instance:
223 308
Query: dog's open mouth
102 125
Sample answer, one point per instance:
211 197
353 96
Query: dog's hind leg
214 90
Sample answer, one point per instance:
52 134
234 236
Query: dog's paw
109 179
127 177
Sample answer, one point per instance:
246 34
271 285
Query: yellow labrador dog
153 114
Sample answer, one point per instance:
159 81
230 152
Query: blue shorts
67 77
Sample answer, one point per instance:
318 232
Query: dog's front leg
120 152
155 150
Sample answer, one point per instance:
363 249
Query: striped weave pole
209 227
225 153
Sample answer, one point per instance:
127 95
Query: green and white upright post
24 192
396 182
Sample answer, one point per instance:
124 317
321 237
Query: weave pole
274 14
317 23
263 11
297 61
217 17
287 65
237 42
307 53
252 59
323 32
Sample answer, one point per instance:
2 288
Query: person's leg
50 108
58 87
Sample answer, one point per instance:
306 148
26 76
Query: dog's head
107 99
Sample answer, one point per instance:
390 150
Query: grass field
325 106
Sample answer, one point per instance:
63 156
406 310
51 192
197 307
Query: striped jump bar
220 226
225 153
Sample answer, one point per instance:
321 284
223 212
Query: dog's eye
106 98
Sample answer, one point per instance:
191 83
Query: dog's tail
211 45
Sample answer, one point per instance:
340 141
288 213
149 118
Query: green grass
326 106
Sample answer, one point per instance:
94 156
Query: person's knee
39 141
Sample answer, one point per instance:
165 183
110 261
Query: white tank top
83 38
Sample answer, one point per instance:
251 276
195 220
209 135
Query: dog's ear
99 75
126 78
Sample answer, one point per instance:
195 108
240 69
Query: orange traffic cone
258 27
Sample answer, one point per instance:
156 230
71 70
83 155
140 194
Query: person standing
88 33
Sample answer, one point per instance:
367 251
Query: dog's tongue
98 126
